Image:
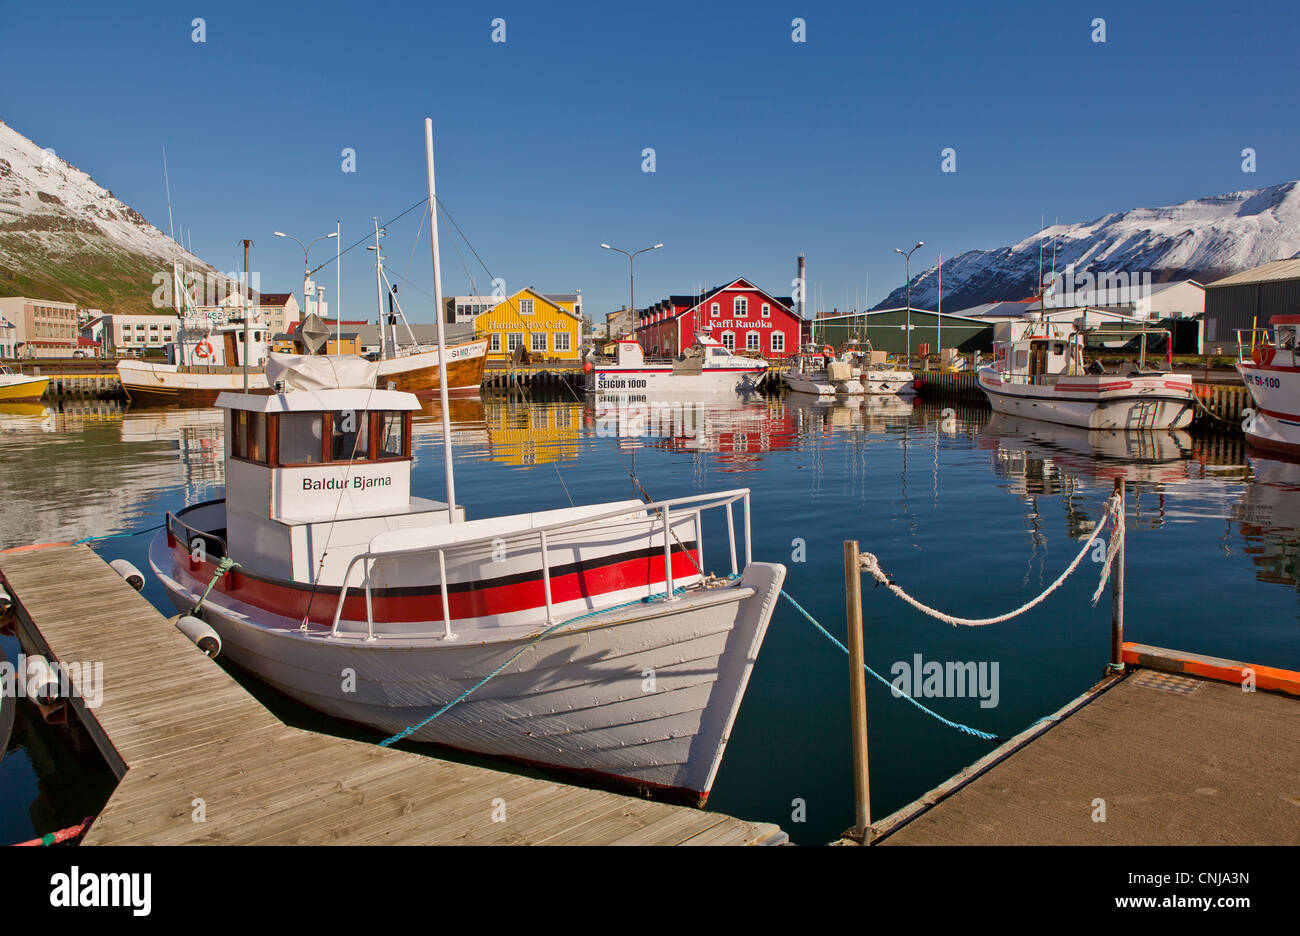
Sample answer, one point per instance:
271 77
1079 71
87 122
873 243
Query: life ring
828 351
1263 354
203 349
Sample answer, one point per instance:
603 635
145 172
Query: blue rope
965 729
410 729
91 539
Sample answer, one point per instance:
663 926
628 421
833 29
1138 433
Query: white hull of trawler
635 688
646 695
1137 402
650 378
816 384
1275 390
902 383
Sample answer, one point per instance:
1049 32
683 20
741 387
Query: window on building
562 341
714 310
729 340
767 310
751 341
514 340
778 341
494 342
539 341
740 306
525 307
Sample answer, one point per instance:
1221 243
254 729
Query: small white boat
1041 374
876 373
1270 368
706 366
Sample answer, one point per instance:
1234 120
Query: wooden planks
202 762
1149 758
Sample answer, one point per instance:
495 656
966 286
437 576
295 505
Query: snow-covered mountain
1203 239
65 237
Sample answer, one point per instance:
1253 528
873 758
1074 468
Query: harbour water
974 514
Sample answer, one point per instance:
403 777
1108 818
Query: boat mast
379 295
443 376
246 297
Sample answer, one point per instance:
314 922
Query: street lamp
307 271
907 267
631 291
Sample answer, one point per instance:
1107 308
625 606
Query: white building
130 334
8 338
462 310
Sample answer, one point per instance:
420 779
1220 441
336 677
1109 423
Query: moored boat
1270 368
1040 373
707 366
21 388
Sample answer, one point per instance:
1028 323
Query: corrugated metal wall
1228 308
886 332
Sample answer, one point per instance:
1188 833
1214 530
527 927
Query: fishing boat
588 638
1270 368
207 360
822 372
706 366
1038 371
875 373
21 388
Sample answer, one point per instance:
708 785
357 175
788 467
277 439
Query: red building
740 315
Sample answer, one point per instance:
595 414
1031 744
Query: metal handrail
203 534
699 503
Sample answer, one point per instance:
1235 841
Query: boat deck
187 742
1174 751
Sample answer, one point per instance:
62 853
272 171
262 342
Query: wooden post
1117 589
857 693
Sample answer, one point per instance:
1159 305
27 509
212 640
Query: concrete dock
1173 752
201 762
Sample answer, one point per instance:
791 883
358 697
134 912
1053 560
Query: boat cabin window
1286 336
300 438
349 438
393 438
248 436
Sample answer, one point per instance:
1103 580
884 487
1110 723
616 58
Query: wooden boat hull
23 389
421 373
149 384
643 693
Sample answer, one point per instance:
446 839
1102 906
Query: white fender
134 577
203 636
42 683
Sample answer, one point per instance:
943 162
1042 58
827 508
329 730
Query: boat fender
134 577
6 603
42 684
200 634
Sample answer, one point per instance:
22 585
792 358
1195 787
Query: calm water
976 517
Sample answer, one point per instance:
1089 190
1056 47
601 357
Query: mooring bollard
857 692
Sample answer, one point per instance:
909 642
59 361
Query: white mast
438 314
338 290
379 294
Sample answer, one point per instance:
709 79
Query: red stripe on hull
294 600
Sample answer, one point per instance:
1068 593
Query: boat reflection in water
196 433
1269 514
737 431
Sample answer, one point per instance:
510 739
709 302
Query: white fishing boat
822 372
1038 371
588 638
706 366
876 373
1270 368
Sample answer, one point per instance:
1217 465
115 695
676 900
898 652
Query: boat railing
179 529
1248 339
691 506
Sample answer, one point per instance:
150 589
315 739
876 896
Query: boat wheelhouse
1039 371
1270 368
340 567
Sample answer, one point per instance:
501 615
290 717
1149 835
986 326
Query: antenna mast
443 375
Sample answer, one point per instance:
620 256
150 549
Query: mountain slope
65 237
1203 239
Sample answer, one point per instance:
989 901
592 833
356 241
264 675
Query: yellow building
547 327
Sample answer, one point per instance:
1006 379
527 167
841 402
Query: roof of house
695 301
273 299
1269 272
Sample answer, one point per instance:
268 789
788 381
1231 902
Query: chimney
802 285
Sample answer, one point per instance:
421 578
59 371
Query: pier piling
857 693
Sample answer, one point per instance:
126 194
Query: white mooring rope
1114 510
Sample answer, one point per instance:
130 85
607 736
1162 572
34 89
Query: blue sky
764 147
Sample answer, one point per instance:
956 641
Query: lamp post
307 271
907 267
631 290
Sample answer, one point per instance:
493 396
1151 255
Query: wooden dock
1173 752
201 762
